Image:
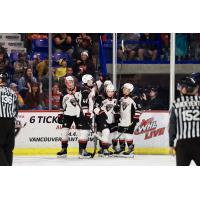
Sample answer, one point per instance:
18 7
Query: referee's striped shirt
184 119
8 103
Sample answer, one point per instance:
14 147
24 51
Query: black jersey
87 98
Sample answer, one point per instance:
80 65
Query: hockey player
70 112
87 103
129 116
104 109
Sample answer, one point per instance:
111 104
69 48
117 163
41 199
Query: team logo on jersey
124 105
66 98
109 107
73 102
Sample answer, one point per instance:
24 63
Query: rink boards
40 134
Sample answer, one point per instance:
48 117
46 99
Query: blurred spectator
19 66
63 43
165 43
142 96
154 103
13 86
45 82
181 46
34 63
88 65
28 78
4 63
194 46
42 68
130 49
62 69
147 47
70 71
82 71
34 97
56 94
84 43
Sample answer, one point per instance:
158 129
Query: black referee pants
7 141
188 150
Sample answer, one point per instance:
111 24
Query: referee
184 125
8 112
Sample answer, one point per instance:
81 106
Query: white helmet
107 82
110 88
86 78
69 78
128 86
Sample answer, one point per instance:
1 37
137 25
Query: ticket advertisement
40 130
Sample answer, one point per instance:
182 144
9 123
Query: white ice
138 160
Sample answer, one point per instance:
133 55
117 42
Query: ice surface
138 160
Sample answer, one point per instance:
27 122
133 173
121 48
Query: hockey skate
118 153
84 154
100 152
114 149
129 153
107 153
62 153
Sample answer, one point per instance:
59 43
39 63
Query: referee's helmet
189 83
3 77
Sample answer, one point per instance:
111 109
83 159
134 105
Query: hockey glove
102 114
116 108
60 118
116 117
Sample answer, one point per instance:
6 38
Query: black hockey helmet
189 83
196 77
3 77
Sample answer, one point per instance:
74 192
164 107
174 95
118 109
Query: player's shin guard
129 141
100 144
115 140
122 143
106 142
83 139
64 142
64 136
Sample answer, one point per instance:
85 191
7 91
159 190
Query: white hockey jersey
129 111
107 105
69 104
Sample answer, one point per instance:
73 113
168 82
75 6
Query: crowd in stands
29 77
156 46
29 73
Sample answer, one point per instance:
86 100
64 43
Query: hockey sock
64 144
114 143
130 144
82 145
122 144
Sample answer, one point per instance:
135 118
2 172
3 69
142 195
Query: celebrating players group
96 104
